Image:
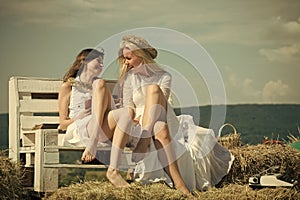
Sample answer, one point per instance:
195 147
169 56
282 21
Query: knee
153 88
99 84
161 131
122 115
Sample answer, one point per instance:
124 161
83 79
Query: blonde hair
142 49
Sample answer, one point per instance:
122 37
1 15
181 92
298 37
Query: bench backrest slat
39 105
39 85
28 122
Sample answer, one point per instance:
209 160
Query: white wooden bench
34 101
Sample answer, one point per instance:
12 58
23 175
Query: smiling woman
87 113
83 101
168 147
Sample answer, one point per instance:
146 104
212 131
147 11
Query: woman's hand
137 120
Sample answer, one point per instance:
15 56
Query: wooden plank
28 122
29 162
27 150
39 105
45 180
39 85
28 139
51 137
82 148
14 121
51 157
39 162
74 148
81 166
50 180
85 166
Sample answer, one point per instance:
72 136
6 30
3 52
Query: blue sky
255 44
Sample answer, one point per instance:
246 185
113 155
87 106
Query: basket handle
227 124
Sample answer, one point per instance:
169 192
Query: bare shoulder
65 87
98 81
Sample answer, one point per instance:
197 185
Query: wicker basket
230 140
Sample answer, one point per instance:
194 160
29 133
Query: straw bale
244 192
249 161
11 178
104 190
254 159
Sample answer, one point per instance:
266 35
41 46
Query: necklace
80 85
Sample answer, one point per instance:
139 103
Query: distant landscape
255 121
252 121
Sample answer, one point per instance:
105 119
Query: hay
249 161
294 138
11 178
105 190
252 160
243 192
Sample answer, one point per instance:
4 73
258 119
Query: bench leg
45 179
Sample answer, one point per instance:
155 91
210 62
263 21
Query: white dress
77 134
201 160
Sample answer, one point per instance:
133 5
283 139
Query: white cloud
240 23
283 32
254 28
283 38
283 54
275 91
67 13
242 86
248 88
292 26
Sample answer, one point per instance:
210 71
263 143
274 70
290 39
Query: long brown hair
85 56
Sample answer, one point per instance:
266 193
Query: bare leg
155 108
101 103
155 101
113 175
121 119
167 157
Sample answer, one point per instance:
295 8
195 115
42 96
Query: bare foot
185 191
87 156
115 178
